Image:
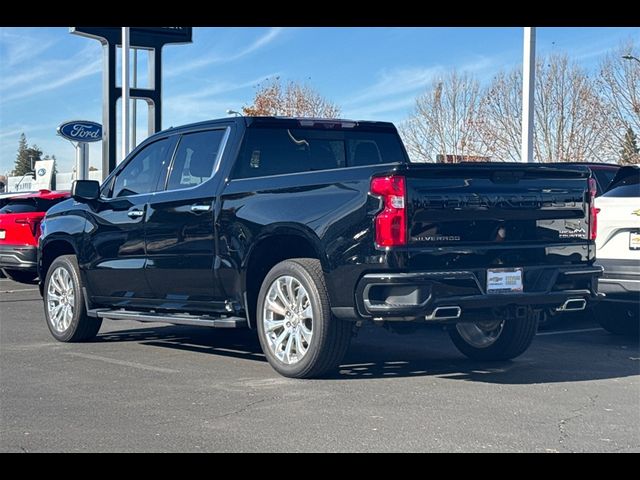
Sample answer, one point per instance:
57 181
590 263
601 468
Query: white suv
618 251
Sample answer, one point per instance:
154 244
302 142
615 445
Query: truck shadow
377 354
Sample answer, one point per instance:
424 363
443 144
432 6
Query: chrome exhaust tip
444 313
572 305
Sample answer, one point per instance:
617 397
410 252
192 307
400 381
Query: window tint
195 158
142 173
20 206
272 151
629 186
604 177
29 205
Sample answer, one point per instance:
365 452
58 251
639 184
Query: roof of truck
294 122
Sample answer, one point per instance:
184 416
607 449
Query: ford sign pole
79 133
82 161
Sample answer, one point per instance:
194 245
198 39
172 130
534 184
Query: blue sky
48 76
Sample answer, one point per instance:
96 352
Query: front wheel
298 334
499 339
64 305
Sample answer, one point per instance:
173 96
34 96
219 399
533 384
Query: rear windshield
276 151
604 177
28 205
629 186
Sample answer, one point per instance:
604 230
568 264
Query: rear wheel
297 332
21 276
619 318
499 339
64 303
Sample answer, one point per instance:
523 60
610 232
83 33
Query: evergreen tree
22 164
33 154
629 154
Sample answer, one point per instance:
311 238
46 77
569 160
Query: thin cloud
204 104
261 42
396 82
375 111
18 48
395 91
50 75
16 130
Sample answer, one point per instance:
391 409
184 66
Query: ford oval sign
81 131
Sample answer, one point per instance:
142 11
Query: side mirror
85 190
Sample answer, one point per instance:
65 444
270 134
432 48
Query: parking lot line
20 290
572 331
114 361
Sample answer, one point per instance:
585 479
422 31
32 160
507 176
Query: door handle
200 208
135 213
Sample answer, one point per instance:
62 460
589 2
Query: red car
20 219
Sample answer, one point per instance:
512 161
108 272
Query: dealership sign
81 131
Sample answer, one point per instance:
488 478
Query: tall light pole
134 106
528 90
125 92
631 57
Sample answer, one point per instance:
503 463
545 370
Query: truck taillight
391 222
593 211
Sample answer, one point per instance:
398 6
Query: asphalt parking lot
154 387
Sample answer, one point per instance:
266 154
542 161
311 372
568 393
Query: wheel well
54 250
266 254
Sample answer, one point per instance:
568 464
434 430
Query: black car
305 228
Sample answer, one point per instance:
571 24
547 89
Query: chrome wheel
287 319
480 334
60 299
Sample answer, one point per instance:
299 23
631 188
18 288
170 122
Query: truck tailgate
502 213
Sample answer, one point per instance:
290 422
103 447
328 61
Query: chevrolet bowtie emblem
636 212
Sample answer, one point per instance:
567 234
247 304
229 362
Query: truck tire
64 303
619 318
495 339
21 276
298 334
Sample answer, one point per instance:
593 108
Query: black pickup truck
302 229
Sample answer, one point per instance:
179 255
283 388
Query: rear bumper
621 279
417 295
18 257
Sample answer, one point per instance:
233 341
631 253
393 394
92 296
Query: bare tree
500 116
619 86
444 120
569 115
291 100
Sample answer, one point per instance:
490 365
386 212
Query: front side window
142 173
195 159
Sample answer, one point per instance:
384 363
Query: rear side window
20 206
29 205
272 151
627 187
195 159
604 177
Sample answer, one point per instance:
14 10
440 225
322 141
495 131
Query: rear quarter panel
331 209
